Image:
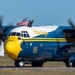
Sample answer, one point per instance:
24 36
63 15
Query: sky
44 12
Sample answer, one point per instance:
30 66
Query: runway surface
37 68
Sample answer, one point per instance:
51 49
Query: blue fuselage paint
46 50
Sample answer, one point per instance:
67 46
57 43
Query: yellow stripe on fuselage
49 39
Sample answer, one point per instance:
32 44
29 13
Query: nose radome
12 49
9 47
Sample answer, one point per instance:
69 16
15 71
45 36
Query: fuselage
39 43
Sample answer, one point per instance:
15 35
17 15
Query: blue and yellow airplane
38 44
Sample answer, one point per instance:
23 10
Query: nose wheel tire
19 63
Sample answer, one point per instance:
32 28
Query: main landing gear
21 63
69 63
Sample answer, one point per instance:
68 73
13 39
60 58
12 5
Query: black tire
73 64
68 63
16 65
37 64
19 63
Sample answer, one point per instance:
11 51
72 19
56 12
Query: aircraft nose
12 49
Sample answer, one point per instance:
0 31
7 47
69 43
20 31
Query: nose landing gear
19 63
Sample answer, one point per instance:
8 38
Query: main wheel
37 64
19 63
73 64
68 63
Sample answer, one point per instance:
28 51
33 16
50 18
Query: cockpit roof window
24 34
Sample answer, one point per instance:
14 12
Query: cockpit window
9 34
14 34
22 34
18 34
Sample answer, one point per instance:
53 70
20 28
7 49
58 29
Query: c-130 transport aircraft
38 44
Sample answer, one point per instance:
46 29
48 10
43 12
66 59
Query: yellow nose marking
12 49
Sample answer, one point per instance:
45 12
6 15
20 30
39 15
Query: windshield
14 34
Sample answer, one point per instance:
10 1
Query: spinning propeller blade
2 31
71 23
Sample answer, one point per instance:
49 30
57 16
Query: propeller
71 23
2 31
10 25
